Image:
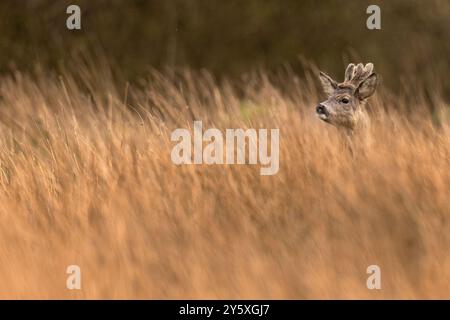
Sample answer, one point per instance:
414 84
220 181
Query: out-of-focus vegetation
232 37
86 181
86 176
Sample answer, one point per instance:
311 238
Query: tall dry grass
86 179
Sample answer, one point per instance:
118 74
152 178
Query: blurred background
86 176
232 37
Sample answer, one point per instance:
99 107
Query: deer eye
345 101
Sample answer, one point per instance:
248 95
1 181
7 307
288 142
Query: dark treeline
231 37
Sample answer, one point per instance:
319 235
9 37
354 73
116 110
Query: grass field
86 178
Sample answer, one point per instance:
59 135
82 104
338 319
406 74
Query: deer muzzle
322 112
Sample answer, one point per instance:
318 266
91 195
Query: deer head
345 104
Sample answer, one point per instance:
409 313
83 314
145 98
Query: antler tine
368 68
349 72
356 74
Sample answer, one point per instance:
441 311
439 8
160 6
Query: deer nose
320 109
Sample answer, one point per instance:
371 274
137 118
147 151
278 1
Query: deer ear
367 87
328 84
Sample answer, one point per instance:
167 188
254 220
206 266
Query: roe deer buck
345 105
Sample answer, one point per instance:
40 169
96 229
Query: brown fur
344 107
